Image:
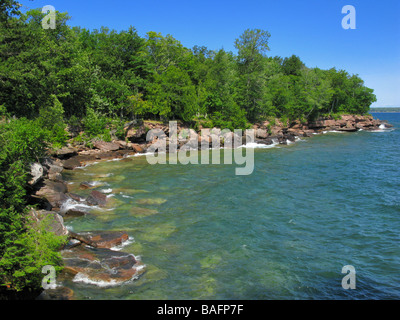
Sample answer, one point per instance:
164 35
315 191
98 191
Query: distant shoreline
385 110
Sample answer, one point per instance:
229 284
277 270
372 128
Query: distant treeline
387 109
124 75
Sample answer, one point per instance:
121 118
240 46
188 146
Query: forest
99 79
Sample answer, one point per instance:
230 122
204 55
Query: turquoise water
284 232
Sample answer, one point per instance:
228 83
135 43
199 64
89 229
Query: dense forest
51 78
122 75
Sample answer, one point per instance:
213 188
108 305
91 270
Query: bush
51 118
23 247
95 124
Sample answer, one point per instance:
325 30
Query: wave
255 145
72 204
123 245
332 131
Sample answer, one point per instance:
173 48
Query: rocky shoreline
91 254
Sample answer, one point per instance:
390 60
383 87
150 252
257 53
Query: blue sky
311 29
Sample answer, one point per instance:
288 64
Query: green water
284 232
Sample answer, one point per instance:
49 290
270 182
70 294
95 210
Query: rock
261 133
54 192
101 266
36 173
123 144
75 197
86 185
106 239
347 129
65 153
72 163
59 293
267 141
137 134
74 213
138 148
97 198
106 146
56 221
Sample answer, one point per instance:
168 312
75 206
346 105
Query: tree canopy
123 75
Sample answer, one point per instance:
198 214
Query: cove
283 232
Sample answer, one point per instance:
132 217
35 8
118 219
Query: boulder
261 133
65 153
54 192
86 185
136 134
105 239
101 266
56 221
72 163
97 198
106 146
138 148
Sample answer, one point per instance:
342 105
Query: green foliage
51 119
24 248
23 259
95 124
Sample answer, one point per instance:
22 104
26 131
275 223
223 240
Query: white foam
72 204
123 245
106 190
254 145
80 277
332 131
144 154
126 196
382 126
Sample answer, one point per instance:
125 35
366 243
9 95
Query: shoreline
51 192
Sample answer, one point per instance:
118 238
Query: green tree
252 46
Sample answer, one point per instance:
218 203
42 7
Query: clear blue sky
311 29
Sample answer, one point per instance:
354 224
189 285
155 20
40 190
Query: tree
251 46
173 95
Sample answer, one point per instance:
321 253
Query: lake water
283 232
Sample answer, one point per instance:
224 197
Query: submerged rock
105 239
102 267
151 201
59 293
143 212
96 198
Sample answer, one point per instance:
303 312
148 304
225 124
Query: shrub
23 247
